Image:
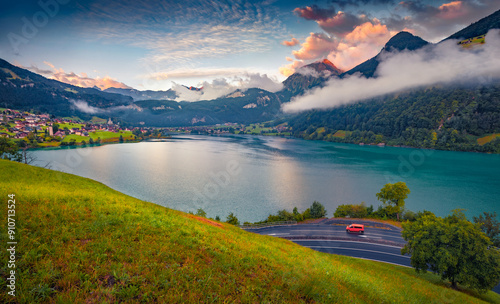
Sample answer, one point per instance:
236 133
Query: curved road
380 242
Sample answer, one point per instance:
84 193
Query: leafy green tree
31 137
217 218
201 212
8 149
490 226
121 138
317 210
232 219
393 196
454 248
307 214
296 214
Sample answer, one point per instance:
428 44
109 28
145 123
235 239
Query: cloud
291 68
357 3
357 46
435 64
315 46
292 42
223 86
335 23
341 23
178 34
313 12
452 10
83 106
81 80
195 73
437 22
363 43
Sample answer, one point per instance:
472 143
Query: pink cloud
292 42
452 10
315 46
362 43
81 80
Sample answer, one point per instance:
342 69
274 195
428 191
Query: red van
358 228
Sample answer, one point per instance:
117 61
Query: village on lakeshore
45 130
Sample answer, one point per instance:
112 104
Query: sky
158 45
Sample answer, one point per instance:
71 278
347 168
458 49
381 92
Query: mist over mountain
307 77
144 95
400 42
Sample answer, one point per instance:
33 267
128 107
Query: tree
317 210
296 214
27 157
201 212
490 226
121 138
8 149
137 132
217 218
232 219
393 196
454 248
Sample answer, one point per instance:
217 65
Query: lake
253 176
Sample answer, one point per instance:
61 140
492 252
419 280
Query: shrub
355 211
201 212
317 210
232 219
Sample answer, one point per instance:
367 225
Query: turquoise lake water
253 176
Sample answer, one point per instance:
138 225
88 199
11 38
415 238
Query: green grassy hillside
82 242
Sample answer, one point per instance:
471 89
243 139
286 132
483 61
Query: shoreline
172 136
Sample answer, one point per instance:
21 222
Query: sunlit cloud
452 10
357 46
363 43
292 42
80 80
315 46
291 68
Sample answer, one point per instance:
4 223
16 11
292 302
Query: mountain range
25 90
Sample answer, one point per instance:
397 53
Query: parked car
355 228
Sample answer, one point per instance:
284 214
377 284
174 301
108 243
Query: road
380 242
